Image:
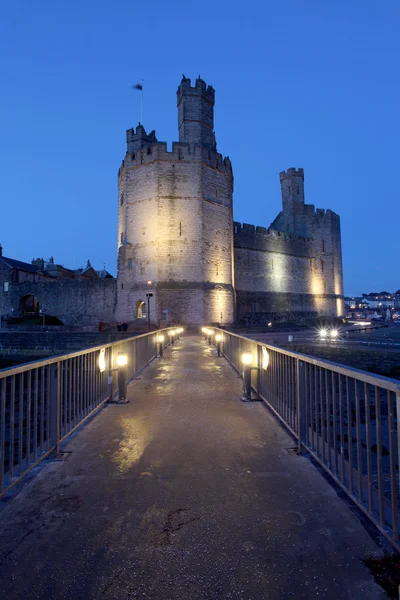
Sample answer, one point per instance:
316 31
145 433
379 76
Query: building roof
103 274
18 264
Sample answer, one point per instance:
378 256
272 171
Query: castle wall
281 276
74 302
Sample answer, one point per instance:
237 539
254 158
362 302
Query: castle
177 239
176 229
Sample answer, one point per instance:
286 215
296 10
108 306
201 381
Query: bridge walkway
185 493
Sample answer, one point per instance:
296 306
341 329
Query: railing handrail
388 383
44 362
345 418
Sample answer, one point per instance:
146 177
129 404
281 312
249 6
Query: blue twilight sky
303 83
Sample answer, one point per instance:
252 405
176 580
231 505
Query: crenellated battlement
181 151
246 230
290 173
200 88
250 237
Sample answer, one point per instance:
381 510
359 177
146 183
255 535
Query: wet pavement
185 493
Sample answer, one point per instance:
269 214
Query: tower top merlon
138 139
200 88
196 113
291 173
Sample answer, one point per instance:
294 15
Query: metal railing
345 418
42 402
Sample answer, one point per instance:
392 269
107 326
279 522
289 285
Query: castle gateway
176 230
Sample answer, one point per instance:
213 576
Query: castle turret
196 113
138 139
175 226
292 186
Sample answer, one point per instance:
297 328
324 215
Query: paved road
186 493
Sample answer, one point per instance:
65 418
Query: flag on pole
137 86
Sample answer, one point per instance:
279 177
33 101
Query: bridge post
54 406
110 375
259 370
301 402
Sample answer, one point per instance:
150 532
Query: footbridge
226 469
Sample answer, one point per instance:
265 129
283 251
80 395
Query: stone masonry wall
74 302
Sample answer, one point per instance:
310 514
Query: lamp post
172 334
209 333
247 359
43 316
218 339
161 347
149 295
122 361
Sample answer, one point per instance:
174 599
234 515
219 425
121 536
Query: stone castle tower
175 222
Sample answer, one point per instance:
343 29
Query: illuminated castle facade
176 230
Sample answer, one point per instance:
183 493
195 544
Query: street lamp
161 342
149 295
122 361
172 334
247 359
218 339
209 333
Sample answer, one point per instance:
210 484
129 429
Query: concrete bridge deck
184 493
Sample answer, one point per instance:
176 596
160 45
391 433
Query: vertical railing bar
48 406
65 365
368 444
392 463
295 408
42 400
70 392
2 430
28 418
91 383
312 404
398 436
85 377
284 388
76 390
358 441
341 428
349 435
317 439
334 423
306 371
79 392
35 415
378 418
94 400
12 418
321 400
328 420
21 422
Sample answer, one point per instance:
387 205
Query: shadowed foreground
185 493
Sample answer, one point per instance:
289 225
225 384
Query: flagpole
141 105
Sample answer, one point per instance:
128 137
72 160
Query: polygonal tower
175 225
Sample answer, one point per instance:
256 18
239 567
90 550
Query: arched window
140 311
